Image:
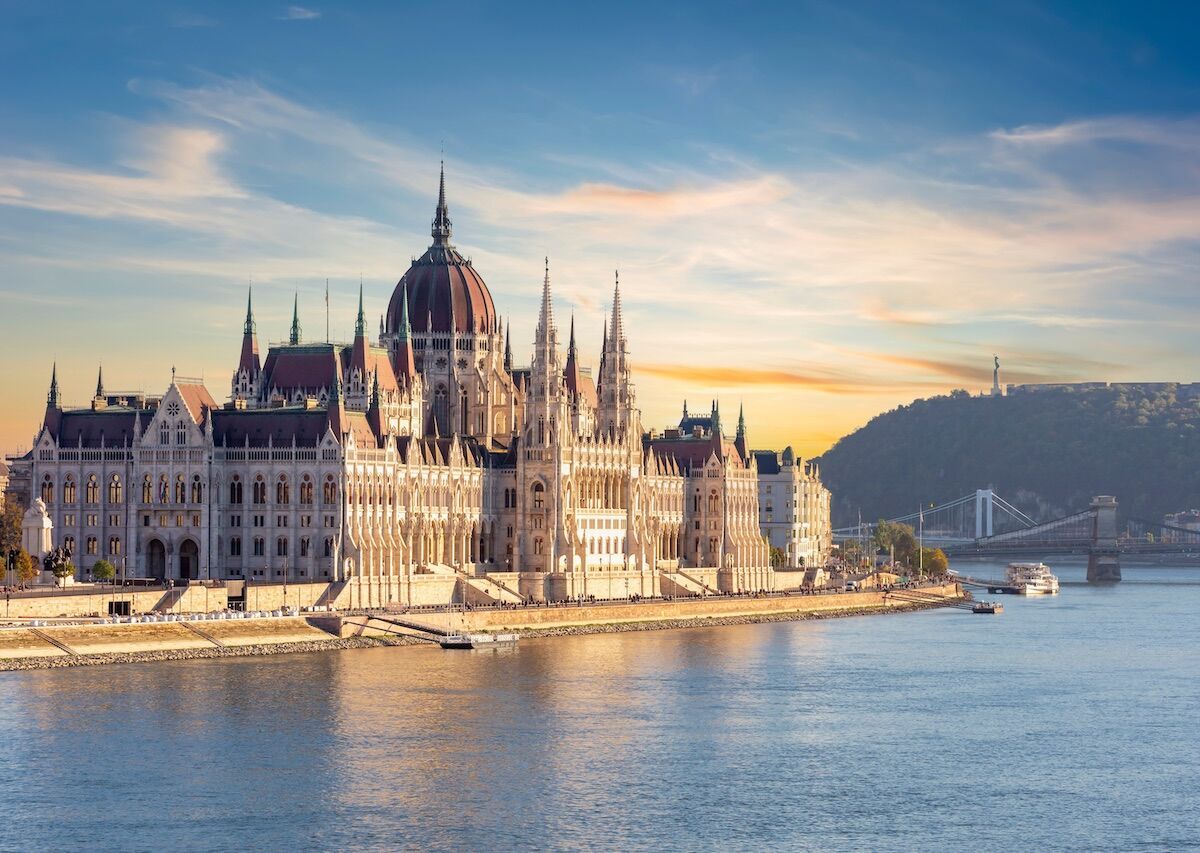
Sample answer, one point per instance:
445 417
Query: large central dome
445 293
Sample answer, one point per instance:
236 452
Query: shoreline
20 664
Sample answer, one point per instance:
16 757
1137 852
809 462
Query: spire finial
294 337
508 348
618 327
100 383
741 427
54 399
249 327
441 217
360 325
546 315
571 345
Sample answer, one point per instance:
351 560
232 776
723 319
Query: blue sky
820 209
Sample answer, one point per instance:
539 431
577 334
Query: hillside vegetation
1048 452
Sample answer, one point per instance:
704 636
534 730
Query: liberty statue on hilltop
996 376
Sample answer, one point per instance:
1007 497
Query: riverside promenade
75 642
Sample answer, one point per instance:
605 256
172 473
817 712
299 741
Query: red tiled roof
197 399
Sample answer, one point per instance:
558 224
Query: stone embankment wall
65 641
683 610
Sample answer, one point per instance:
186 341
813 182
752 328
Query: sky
819 210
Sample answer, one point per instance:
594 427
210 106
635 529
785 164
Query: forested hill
1047 451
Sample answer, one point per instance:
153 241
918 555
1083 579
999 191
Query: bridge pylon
1104 560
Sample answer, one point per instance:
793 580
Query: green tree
934 561
59 564
104 570
10 526
898 539
777 556
26 571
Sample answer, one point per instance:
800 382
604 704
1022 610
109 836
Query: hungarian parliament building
424 456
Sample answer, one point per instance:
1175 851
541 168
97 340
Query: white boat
1032 579
477 641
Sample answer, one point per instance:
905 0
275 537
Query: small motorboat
477 641
988 607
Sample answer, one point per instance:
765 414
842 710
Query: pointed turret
374 411
248 361
54 397
294 337
100 383
360 325
441 218
716 418
405 364
618 326
357 373
617 411
245 385
740 440
508 350
571 372
545 326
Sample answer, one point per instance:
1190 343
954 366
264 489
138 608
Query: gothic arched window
181 433
93 489
147 490
197 490
539 495
306 491
329 491
180 490
260 490
235 490
69 490
283 493
114 489
47 490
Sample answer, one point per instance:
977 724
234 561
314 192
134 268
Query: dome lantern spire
441 218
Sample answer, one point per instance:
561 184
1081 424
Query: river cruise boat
1032 579
987 607
477 641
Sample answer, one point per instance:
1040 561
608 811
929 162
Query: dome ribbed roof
444 290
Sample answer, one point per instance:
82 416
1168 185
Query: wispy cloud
299 13
995 240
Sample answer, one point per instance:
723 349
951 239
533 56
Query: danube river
1066 722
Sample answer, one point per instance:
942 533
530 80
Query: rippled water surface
1063 723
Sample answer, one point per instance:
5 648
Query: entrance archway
189 560
157 559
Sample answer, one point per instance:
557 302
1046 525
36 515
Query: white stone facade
423 452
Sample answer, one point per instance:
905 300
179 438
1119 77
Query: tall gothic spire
545 327
360 325
248 329
571 345
441 218
100 383
294 337
741 427
54 398
405 329
618 326
508 349
248 360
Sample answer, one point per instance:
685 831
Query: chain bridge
983 524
